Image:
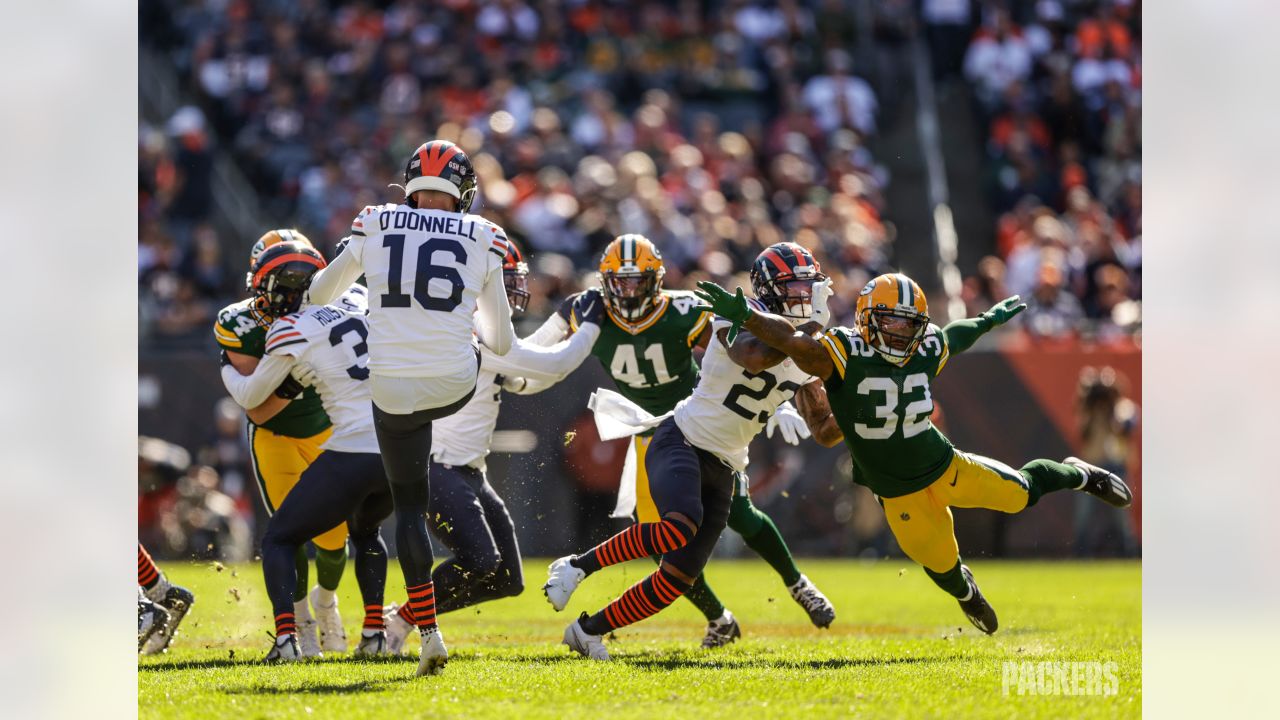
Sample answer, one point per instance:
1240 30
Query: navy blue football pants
472 521
695 483
337 487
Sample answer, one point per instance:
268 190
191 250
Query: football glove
304 374
821 313
1003 311
513 384
786 420
588 308
733 308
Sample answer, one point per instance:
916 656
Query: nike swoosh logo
956 478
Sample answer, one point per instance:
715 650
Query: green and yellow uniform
282 447
652 364
884 411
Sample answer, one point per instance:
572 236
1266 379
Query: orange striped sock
422 603
406 613
373 618
285 624
148 573
639 540
644 599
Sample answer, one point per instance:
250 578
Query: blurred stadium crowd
715 128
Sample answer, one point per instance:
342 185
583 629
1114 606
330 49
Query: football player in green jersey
647 346
877 376
282 447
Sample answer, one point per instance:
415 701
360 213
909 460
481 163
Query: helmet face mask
893 317
782 279
631 275
515 277
280 278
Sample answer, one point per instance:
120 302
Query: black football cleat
1103 484
976 608
177 602
721 632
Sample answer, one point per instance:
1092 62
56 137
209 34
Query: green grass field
899 648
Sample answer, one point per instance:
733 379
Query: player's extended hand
1004 311
789 423
304 374
588 308
733 308
821 313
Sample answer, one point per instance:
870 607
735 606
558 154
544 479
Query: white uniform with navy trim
425 270
464 437
332 340
730 406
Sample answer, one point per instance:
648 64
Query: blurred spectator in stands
193 166
839 99
997 57
1107 420
1052 311
1048 235
986 287
948 25
203 522
160 464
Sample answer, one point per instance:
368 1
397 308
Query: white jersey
424 270
464 437
730 406
332 339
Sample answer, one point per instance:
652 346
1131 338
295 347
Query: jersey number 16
426 271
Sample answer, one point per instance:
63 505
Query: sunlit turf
899 648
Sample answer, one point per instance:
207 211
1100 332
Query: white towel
617 417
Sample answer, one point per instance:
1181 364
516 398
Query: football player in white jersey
434 274
698 455
467 515
346 483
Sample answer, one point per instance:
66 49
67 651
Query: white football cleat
584 643
398 629
284 649
434 655
333 637
372 642
562 580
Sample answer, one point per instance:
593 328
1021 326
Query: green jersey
652 361
237 331
884 410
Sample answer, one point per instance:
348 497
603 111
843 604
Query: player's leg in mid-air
469 517
692 489
722 626
278 463
172 603
762 536
329 491
922 521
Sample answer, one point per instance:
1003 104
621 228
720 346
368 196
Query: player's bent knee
687 526
744 518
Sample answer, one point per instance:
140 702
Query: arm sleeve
249 391
545 364
962 334
328 284
493 314
551 332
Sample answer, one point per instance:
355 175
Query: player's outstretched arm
544 366
251 390
752 354
815 408
493 314
777 333
962 334
334 279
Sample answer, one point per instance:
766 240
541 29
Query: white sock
324 598
301 610
724 619
156 592
797 584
